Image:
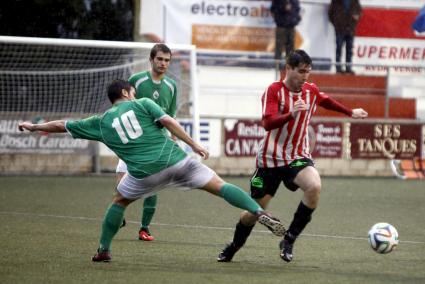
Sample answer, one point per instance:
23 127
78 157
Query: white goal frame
194 87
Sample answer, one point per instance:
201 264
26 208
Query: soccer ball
383 237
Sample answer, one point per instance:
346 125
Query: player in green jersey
153 84
129 128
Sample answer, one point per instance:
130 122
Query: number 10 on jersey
132 128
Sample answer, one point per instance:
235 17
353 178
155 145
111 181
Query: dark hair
115 88
297 57
159 47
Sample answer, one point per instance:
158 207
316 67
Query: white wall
409 86
232 91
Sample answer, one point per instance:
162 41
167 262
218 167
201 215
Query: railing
397 77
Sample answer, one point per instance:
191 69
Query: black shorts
267 180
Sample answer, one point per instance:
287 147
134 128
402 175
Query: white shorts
188 173
121 167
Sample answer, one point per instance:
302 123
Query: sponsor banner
154 15
325 139
231 37
409 55
384 36
210 135
242 138
240 26
392 42
385 140
13 141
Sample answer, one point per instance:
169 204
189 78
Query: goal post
65 78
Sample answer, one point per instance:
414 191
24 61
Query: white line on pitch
183 226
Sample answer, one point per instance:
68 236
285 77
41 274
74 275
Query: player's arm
276 121
329 103
270 122
334 105
55 126
174 127
272 118
170 123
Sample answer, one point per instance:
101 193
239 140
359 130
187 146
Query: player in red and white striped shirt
284 154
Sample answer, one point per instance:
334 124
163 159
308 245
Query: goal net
58 78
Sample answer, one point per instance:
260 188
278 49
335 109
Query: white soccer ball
383 237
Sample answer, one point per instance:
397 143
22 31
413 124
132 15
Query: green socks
115 213
110 226
149 206
239 198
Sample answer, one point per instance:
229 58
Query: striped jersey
280 146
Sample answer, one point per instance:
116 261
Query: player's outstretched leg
271 223
239 198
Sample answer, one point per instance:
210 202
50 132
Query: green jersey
164 93
128 128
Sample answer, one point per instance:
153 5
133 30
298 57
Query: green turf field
49 228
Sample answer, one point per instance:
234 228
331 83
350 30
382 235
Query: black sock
301 218
242 233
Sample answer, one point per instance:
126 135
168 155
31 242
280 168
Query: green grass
49 229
